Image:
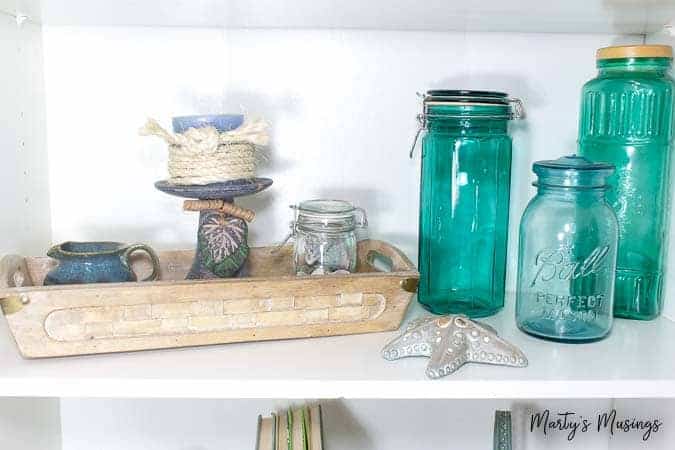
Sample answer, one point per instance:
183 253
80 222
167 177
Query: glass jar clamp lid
439 104
328 216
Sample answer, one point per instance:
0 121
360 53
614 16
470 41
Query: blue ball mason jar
567 253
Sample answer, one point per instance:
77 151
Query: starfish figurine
452 341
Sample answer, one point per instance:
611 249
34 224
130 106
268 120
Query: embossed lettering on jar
567 253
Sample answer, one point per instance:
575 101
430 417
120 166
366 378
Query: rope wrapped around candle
204 155
220 205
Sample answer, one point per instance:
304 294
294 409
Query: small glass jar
567 253
325 236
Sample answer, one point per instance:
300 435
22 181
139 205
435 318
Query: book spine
257 438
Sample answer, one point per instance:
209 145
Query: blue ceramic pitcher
96 262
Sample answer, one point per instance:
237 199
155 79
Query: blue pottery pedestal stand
222 246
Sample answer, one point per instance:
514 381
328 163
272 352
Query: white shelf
637 360
570 16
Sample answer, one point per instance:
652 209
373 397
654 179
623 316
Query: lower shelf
180 424
636 361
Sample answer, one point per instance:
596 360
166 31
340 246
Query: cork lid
635 51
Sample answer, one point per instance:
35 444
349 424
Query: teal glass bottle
627 119
464 201
567 253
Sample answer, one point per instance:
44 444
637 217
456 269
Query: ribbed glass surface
464 205
627 119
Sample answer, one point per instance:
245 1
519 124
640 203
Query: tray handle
370 251
13 273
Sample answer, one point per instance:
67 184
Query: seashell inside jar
325 238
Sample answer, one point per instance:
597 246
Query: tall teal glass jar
567 253
627 119
464 201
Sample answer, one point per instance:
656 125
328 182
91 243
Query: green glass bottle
464 201
627 120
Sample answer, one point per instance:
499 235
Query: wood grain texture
271 304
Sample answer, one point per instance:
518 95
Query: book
299 436
293 429
306 426
289 429
315 428
282 431
266 433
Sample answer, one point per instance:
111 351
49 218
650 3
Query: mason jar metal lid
572 171
635 51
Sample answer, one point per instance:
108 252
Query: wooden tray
270 304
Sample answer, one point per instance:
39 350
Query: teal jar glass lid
572 172
460 104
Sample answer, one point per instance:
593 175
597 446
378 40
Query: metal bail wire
417 136
422 123
516 111
291 234
518 108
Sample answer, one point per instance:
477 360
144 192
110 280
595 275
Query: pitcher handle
151 253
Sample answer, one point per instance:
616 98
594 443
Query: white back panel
24 185
30 424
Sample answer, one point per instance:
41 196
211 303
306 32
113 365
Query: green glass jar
627 120
464 201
